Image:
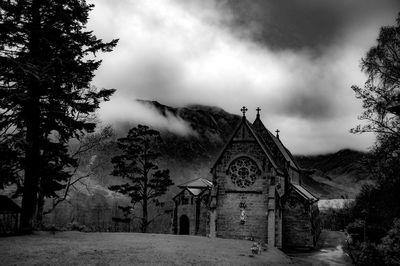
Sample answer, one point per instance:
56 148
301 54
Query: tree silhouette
47 61
138 164
376 207
382 88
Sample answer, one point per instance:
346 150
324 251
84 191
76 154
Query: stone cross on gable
258 112
244 110
277 133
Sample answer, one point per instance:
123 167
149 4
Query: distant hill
336 175
192 156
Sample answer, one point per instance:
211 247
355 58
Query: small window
191 200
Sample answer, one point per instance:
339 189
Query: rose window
243 172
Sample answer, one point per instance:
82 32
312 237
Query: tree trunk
31 178
144 218
144 205
32 116
40 207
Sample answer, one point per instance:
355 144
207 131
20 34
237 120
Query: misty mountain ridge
187 156
190 156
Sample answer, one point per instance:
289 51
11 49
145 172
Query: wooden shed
10 215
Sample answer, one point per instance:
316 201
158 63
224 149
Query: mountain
189 156
336 175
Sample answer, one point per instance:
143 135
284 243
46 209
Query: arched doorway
184 225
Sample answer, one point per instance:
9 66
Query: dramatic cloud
124 113
306 23
234 53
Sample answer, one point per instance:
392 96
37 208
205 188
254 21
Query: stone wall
230 197
297 225
190 210
204 217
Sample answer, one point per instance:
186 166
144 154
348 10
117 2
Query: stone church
255 193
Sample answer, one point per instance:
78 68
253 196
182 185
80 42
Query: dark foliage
382 88
337 219
377 205
138 164
47 61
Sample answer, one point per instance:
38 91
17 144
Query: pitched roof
197 183
264 147
195 191
265 133
304 193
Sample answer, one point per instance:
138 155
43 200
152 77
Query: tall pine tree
138 163
47 61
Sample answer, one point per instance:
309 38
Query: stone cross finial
277 133
244 110
258 111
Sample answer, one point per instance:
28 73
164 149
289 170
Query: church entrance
184 225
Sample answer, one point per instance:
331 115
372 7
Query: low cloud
123 114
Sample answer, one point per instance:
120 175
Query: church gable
243 133
244 136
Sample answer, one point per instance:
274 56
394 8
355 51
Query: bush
356 230
390 247
371 254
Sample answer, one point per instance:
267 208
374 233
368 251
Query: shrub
390 247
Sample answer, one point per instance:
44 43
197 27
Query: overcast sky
295 59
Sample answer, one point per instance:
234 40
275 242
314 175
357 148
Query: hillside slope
336 175
191 156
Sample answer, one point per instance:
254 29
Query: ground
78 248
327 252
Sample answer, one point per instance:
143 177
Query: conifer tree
47 61
138 163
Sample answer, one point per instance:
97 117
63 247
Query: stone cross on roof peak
258 112
244 110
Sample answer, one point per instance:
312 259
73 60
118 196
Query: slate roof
8 205
304 193
195 191
263 132
195 186
197 183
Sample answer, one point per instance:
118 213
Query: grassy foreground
77 248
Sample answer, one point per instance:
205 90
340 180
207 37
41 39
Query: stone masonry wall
204 218
190 211
230 196
297 231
